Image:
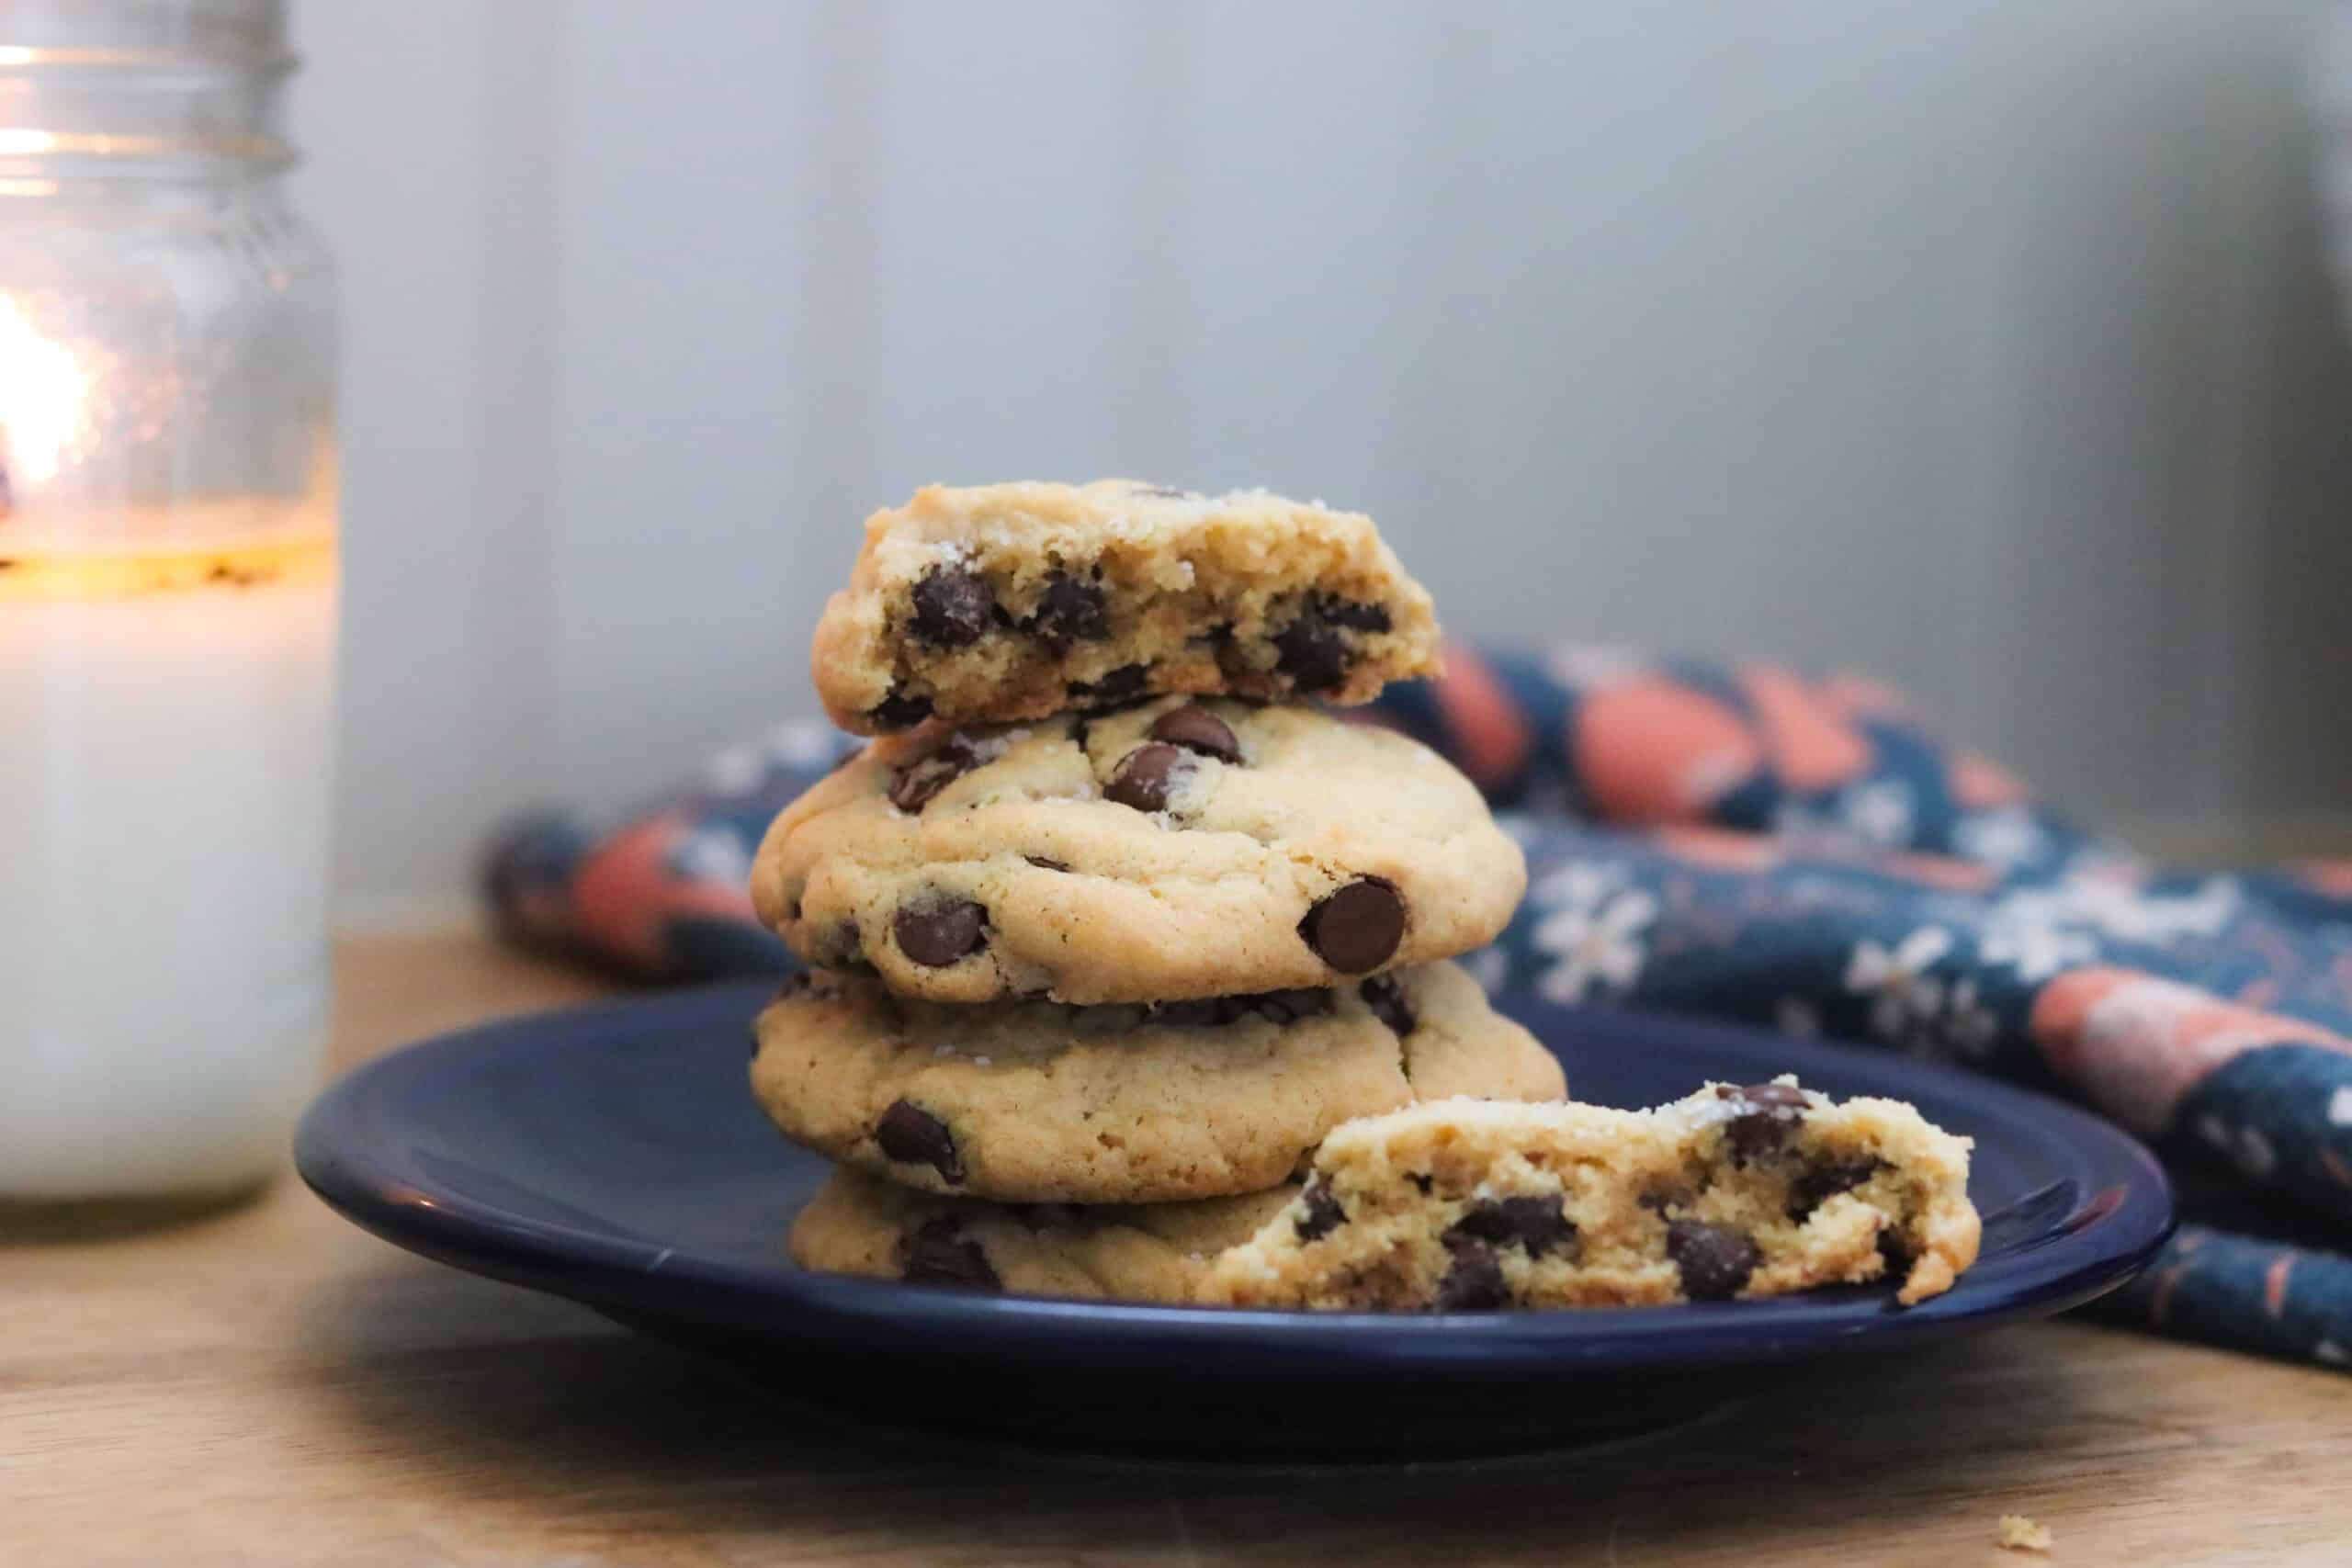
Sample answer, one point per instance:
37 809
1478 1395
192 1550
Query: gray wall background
1985 346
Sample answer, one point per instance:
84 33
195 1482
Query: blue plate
612 1154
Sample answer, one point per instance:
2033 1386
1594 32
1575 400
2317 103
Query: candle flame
41 392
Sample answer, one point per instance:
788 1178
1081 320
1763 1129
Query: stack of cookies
1108 929
1131 971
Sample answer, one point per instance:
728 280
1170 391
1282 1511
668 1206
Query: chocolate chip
1043 863
1819 1182
1120 685
1313 654
1765 1123
898 710
1357 928
849 947
1323 1214
938 934
909 1133
1389 1004
1421 1181
1896 1251
1195 729
914 784
952 605
1354 614
1475 1282
941 1254
1538 1225
1714 1261
1068 611
1755 1136
1143 777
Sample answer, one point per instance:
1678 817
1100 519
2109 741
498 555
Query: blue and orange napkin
1745 843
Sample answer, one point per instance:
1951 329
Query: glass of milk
167 604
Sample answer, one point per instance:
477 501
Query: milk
164 749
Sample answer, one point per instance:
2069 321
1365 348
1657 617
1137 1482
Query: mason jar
167 603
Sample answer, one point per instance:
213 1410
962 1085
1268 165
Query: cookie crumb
2019 1533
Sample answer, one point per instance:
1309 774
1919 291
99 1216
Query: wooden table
270 1386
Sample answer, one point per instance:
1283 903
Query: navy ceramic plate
612 1154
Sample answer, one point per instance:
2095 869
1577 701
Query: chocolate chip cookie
1462 1206
1008 602
1136 1252
1045 1102
1168 850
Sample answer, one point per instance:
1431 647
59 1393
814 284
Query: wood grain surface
266 1385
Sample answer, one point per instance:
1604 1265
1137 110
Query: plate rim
337 1159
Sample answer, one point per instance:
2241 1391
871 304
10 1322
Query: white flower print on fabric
739 769
2042 930
1520 827
1587 668
805 744
1968 1026
1595 942
2128 914
2033 943
2106 862
1879 812
1902 992
2006 838
1489 966
712 854
1577 885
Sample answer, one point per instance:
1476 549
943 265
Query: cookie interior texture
1041 1102
1011 602
1733 1192
1167 849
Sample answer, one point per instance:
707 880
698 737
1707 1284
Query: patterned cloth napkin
1744 844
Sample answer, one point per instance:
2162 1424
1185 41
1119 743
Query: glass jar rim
112 89
143 34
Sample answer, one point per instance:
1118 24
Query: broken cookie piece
1736 1191
997 604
